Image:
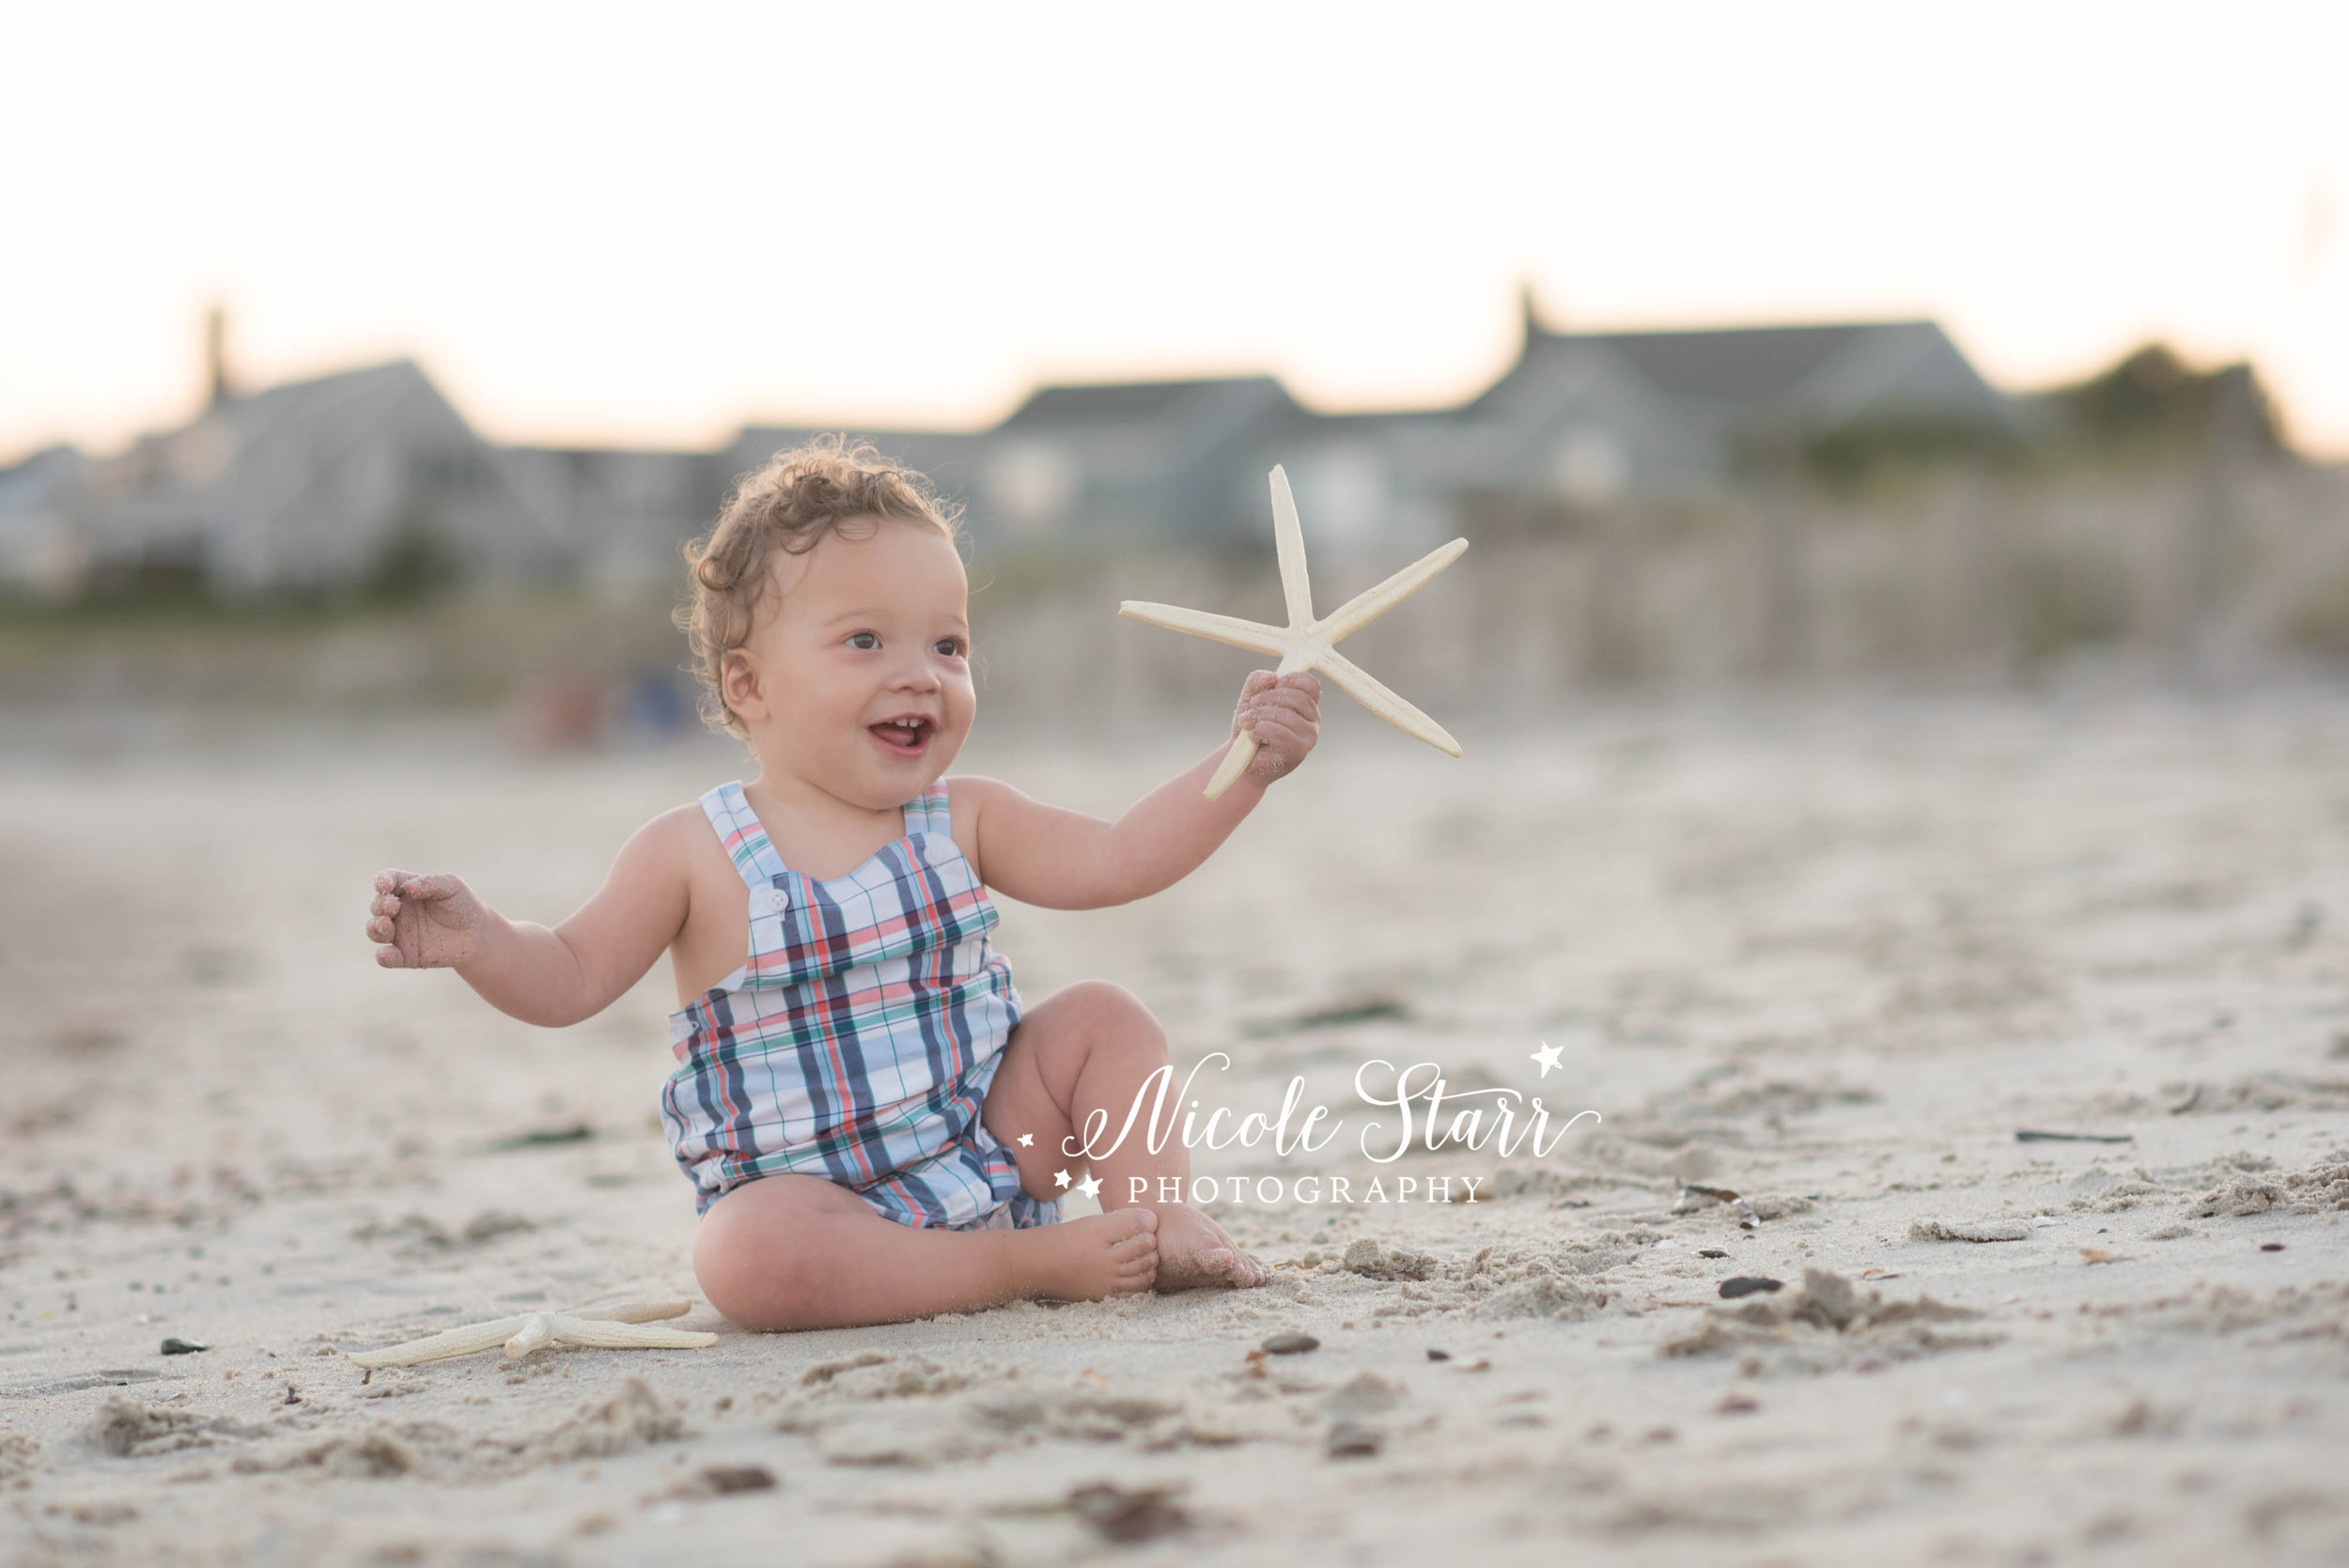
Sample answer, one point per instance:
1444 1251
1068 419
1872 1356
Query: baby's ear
738 683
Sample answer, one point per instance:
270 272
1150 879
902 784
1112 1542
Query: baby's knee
1105 1008
758 1277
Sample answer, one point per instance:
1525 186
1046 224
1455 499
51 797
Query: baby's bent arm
1064 860
558 977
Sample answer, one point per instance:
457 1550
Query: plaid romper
857 1041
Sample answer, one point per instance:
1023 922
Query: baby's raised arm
540 976
1064 860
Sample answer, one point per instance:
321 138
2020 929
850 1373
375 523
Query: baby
876 1126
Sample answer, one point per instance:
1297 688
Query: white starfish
1307 644
625 1324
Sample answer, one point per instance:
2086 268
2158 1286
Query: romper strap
928 813
745 840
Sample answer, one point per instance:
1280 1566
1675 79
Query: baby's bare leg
1091 1046
801 1252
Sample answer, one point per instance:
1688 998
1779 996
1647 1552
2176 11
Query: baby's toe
1232 1266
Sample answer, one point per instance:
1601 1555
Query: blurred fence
1968 577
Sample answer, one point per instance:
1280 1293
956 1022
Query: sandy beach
1815 964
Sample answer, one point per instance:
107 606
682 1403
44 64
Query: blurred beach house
371 479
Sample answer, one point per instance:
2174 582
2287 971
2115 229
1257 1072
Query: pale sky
649 225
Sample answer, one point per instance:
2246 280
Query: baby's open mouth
904 736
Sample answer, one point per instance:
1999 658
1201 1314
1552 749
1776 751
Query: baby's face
857 677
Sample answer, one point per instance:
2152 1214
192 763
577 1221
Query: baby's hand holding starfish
1282 714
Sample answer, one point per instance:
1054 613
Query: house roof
278 439
1823 373
330 394
1760 364
1129 402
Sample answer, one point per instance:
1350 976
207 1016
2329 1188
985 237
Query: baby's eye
950 647
865 640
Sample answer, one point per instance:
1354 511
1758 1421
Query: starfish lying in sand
1307 644
625 1324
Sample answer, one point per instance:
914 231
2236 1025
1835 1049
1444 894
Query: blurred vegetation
2151 410
2317 621
2154 407
2062 602
410 646
1877 452
416 561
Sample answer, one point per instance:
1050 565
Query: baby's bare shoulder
973 789
680 821
673 829
678 840
968 797
973 797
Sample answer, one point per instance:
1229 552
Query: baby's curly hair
789 504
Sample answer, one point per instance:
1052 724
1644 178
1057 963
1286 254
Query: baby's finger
430 890
1288 699
1303 680
1276 734
1257 681
1289 718
389 879
390 957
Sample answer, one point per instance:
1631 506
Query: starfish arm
1288 539
1357 683
467 1341
1200 623
1235 760
630 1309
626 1336
1371 603
537 1332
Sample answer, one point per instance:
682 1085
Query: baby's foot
1099 1255
1194 1250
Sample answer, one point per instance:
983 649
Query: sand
1815 964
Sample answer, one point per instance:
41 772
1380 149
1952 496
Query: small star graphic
1090 1186
1060 1178
1026 1140
1547 1057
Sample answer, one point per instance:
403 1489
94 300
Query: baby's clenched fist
423 922
1282 715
